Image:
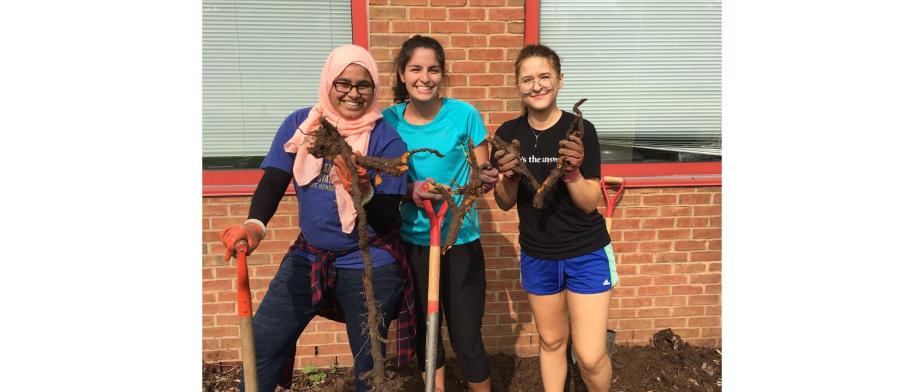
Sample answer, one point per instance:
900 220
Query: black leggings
462 294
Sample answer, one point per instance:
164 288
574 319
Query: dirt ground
667 364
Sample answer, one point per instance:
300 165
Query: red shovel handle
436 219
244 306
605 183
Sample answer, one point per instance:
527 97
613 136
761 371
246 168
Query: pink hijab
356 132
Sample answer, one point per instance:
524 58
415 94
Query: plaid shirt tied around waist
324 277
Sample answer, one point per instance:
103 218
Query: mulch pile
667 364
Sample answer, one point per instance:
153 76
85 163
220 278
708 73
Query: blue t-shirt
317 206
449 132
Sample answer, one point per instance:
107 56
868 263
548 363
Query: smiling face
352 104
538 83
422 75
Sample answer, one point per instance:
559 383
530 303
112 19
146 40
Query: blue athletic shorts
591 273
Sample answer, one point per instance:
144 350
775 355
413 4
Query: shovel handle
245 312
433 290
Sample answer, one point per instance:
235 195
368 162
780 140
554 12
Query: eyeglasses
527 84
343 86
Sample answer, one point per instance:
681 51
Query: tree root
576 129
514 147
328 143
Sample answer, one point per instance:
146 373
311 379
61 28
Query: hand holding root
422 192
571 151
576 130
509 163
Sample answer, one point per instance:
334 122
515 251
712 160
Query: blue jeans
286 310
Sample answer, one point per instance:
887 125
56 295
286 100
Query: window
260 61
651 70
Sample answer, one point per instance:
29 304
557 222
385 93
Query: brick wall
481 38
669 238
670 275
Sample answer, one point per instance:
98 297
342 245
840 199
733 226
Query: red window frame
637 175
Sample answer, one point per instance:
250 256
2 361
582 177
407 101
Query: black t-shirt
559 230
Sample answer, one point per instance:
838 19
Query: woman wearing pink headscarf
323 271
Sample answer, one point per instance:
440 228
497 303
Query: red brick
216 285
695 198
627 223
621 313
449 27
379 13
655 269
705 278
692 222
686 289
658 223
485 54
656 200
427 13
466 14
715 245
635 281
706 256
515 27
670 301
215 332
639 235
641 212
487 27
467 67
516 3
410 27
490 3
409 2
717 198
713 289
672 234
676 211
505 14
214 210
655 246
707 210
383 40
670 280
653 312
691 268
624 270
711 332
483 106
715 221
635 324
508 41
707 233
709 299
670 322
671 257
684 245
501 117
687 311
447 3
468 92
653 291
643 258
486 80
705 321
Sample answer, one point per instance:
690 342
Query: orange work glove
365 187
251 230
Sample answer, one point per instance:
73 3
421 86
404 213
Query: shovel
244 310
606 183
433 290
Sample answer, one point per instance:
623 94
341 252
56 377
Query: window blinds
651 70
260 61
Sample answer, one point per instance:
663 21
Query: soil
667 364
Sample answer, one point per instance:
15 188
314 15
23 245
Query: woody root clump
541 190
328 144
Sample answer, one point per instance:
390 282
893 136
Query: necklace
536 135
